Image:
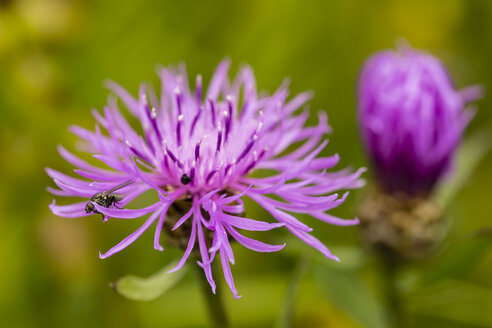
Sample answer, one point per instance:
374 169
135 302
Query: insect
185 179
106 198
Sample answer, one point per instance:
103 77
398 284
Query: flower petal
253 244
189 248
249 224
126 213
131 238
227 273
313 242
76 210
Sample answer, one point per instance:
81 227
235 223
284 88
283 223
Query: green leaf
469 156
147 289
460 257
349 293
454 300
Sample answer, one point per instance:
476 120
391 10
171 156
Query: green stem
392 293
287 313
213 302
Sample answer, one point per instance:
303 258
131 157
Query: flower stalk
392 292
213 302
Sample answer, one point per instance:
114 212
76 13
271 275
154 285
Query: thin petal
253 244
127 98
218 79
313 242
281 216
203 249
189 248
126 213
183 219
160 223
227 273
76 161
131 238
76 210
334 220
249 224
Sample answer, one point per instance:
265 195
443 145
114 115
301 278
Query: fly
106 198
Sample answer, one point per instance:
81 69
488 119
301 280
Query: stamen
165 165
192 172
210 175
227 128
197 116
249 167
136 152
174 158
253 163
197 150
259 128
148 139
263 152
229 104
219 139
228 167
212 110
152 115
228 117
248 148
178 129
198 90
179 99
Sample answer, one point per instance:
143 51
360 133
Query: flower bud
411 118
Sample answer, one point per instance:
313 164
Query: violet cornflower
411 117
199 154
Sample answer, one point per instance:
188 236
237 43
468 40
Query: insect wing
117 197
124 184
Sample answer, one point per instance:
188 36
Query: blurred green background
54 57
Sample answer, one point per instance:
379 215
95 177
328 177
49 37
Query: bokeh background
54 58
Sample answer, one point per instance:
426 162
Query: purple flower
198 155
411 118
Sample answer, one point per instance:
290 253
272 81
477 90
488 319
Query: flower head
198 151
411 117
